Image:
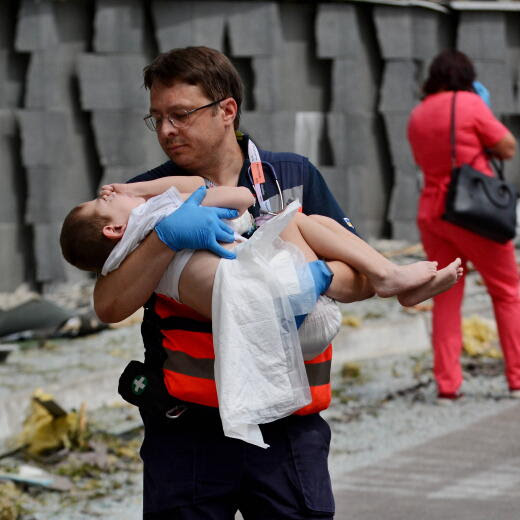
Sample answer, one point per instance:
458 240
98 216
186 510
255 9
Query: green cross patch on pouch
139 384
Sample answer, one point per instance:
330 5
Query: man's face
193 147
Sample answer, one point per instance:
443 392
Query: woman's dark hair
208 68
450 70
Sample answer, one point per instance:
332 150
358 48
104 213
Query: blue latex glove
322 279
194 226
483 92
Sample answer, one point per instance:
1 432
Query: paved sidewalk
469 474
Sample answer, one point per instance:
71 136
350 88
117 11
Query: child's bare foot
442 281
400 278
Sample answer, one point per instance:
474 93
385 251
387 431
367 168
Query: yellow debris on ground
479 337
9 501
350 320
351 370
49 428
413 249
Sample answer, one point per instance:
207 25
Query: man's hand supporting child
194 226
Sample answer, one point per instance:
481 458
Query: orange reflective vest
188 369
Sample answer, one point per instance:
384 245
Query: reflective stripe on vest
189 366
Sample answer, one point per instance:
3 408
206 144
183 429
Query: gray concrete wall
334 81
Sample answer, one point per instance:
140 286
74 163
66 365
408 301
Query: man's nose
167 128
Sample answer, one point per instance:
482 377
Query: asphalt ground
472 473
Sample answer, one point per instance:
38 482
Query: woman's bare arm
505 148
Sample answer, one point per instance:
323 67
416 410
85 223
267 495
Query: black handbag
478 202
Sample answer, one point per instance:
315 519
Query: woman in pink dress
478 133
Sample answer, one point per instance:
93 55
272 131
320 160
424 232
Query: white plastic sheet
259 369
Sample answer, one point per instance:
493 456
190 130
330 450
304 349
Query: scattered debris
420 307
350 320
10 506
84 323
480 337
33 476
411 250
5 350
351 371
50 428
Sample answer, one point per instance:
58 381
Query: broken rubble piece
80 325
34 315
34 476
50 405
49 427
5 350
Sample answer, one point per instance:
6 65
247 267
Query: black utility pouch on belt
144 387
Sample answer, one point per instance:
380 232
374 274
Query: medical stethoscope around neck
256 175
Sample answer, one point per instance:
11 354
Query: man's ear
229 106
114 231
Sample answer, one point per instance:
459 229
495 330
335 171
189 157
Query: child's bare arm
239 198
148 189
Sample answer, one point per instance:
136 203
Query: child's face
116 207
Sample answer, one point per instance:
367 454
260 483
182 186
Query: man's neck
225 170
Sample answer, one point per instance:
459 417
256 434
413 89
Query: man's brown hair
82 241
207 68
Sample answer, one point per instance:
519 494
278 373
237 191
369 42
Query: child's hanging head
82 241
92 229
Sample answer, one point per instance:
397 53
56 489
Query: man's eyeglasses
178 119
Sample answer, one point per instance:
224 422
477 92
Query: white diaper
320 327
169 283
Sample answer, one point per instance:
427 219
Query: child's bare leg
328 239
347 285
442 281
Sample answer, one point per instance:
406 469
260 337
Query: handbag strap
497 164
452 132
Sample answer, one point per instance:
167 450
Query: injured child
99 234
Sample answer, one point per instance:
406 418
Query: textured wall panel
354 86
395 31
49 80
399 148
400 90
254 29
338 32
482 35
495 75
274 131
50 266
118 26
13 257
121 87
179 24
122 139
10 180
45 24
